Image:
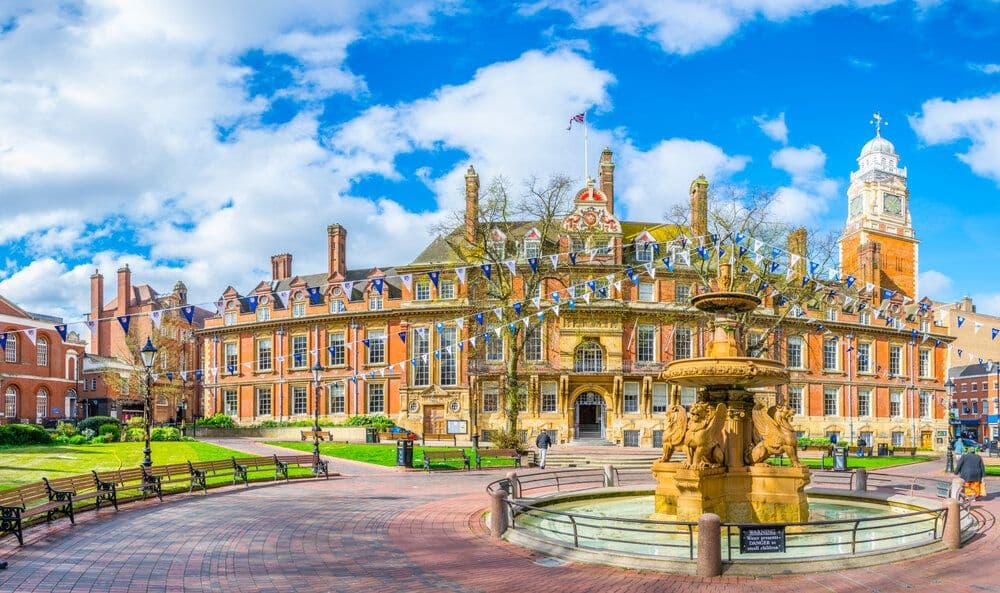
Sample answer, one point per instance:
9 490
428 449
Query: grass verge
859 462
386 454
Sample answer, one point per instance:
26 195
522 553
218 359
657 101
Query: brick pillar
606 177
337 244
471 204
699 206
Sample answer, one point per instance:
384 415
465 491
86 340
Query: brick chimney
281 266
337 241
797 245
96 305
699 206
606 176
869 256
471 204
124 289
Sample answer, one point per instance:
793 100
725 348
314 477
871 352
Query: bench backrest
76 484
27 496
497 452
121 476
443 454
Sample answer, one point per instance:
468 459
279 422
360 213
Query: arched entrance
589 416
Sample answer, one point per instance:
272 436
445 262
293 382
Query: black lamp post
949 455
317 464
148 353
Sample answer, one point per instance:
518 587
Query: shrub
217 421
136 422
165 433
24 434
110 432
135 435
377 421
504 440
98 440
65 429
60 440
818 442
78 440
95 422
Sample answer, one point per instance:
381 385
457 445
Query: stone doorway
926 440
434 420
589 414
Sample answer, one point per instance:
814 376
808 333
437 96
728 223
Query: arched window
10 402
42 404
42 352
589 358
11 349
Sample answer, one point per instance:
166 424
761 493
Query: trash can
371 435
404 453
840 459
883 449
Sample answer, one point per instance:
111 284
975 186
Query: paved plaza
380 529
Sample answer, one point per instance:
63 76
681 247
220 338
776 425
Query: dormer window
496 246
532 248
643 251
577 244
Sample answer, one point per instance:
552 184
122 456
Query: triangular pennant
198 374
125 321
555 309
533 262
434 275
472 341
571 291
586 298
92 326
510 266
536 301
347 287
650 270
314 294
62 331
283 296
517 308
572 258
170 377
592 285
667 265
813 266
995 332
850 281
555 295
407 281
377 284
554 260
487 270
252 303
460 322
156 316
3 341
460 272
739 239
960 320
439 326
976 326
498 311
479 318
402 337
188 312
758 245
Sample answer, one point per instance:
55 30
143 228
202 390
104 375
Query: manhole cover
550 562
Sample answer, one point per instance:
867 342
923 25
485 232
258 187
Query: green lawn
386 454
859 462
20 465
993 470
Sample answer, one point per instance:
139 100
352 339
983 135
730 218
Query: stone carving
703 436
774 429
674 437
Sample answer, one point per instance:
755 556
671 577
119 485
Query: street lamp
148 353
949 388
317 463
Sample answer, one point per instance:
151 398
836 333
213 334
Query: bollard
610 476
860 480
709 545
952 535
498 514
515 485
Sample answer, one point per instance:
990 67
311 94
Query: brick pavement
385 531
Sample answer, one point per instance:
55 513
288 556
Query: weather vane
879 122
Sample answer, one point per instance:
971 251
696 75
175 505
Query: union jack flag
578 118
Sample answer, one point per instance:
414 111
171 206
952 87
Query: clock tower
878 246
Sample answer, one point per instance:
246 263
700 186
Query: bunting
62 331
125 321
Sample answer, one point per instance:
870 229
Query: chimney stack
869 256
699 206
606 176
124 290
281 266
96 305
797 244
337 241
471 204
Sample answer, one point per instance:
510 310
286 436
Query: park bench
444 457
29 501
83 488
320 434
282 463
431 436
497 454
126 479
199 472
905 451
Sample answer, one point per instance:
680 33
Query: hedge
24 434
95 423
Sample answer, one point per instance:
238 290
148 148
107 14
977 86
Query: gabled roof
972 370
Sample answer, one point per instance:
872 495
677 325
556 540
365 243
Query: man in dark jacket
971 469
543 442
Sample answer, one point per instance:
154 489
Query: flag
460 322
434 276
498 311
460 272
124 320
198 374
487 270
578 118
517 308
554 260
314 294
533 262
960 320
995 332
572 257
62 332
510 266
3 341
666 263
92 326
407 281
555 295
377 284
850 281
479 318
348 287
252 303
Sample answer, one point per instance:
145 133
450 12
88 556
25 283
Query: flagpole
586 139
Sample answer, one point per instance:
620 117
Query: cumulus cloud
810 192
985 68
774 128
975 120
935 285
987 303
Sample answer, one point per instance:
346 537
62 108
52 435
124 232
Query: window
446 290
645 343
229 318
491 396
682 342
448 370
263 401
924 363
830 354
925 405
422 291
230 403
335 348
264 350
494 346
10 402
549 396
925 327
897 439
646 294
300 400
975 387
232 357
298 309
660 398
896 404
496 247
864 357
335 398
975 406
865 318
263 313
630 403
682 294
795 359
895 360
533 344
376 346
576 244
300 351
421 364
42 352
41 404
532 248
965 387
589 358
643 251
864 402
11 348
756 345
688 396
375 302
831 401
795 398
337 306
831 314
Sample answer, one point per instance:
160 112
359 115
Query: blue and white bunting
960 320
124 321
533 262
511 267
407 280
378 284
434 275
252 303
460 273
314 294
487 270
62 331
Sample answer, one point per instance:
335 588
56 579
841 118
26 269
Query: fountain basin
725 302
731 371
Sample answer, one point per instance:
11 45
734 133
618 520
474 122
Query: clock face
893 204
855 205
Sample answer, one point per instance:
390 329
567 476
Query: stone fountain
727 436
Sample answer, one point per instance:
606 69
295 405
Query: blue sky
193 142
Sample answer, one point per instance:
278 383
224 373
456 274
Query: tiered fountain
727 436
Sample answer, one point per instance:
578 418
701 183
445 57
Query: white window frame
375 302
647 292
865 397
630 397
448 364
645 343
375 398
298 309
865 347
661 397
299 345
421 367
42 352
376 346
262 395
491 397
532 248
338 357
264 356
683 346
263 313
831 394
796 399
533 344
41 404
10 350
831 354
422 291
895 404
446 289
231 403
336 401
588 357
300 400
549 397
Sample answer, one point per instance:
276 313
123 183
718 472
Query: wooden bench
498 454
126 479
310 434
445 456
29 501
905 451
84 488
282 463
431 436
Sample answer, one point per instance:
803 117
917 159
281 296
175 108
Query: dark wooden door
434 420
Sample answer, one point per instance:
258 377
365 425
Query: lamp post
148 354
317 464
949 388
913 389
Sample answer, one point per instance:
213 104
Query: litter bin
883 449
371 435
840 459
404 453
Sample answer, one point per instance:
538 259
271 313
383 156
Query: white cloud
685 26
810 192
987 303
774 128
985 68
935 285
975 120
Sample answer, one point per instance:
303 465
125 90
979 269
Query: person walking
543 442
972 469
959 446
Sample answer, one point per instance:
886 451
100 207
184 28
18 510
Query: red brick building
38 381
975 403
